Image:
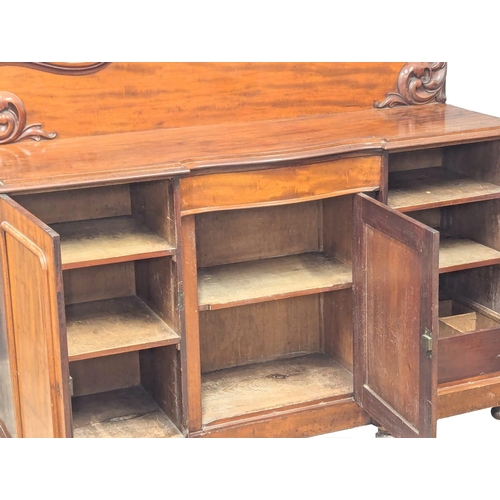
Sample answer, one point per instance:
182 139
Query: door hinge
71 391
180 300
427 343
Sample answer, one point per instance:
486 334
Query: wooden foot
495 412
382 433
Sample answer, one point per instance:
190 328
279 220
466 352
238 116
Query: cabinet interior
120 292
444 176
455 191
275 305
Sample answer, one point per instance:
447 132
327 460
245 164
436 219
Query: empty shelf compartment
456 254
274 384
435 187
112 326
123 413
102 241
269 279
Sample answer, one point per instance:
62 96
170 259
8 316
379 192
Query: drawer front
281 185
469 355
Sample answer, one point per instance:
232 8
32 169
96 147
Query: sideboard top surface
123 157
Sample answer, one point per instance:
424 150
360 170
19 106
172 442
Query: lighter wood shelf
124 413
457 254
113 326
435 187
265 386
270 279
105 241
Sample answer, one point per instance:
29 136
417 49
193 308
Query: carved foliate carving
418 83
13 121
62 68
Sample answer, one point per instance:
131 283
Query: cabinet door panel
395 275
31 266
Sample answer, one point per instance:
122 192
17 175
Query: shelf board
106 241
114 326
123 413
270 279
435 187
274 384
458 254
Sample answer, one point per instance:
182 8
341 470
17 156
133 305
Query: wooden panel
7 400
436 187
107 241
270 279
480 160
476 221
192 374
157 286
96 375
319 418
114 326
81 204
469 395
257 233
338 327
157 154
411 160
32 278
457 254
468 355
99 283
467 322
153 205
161 378
480 285
265 386
395 382
280 185
125 413
337 227
259 332
430 217
141 96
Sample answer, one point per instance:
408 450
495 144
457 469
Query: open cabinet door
395 285
35 322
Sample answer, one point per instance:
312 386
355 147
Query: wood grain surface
394 380
264 386
124 413
156 154
307 420
114 326
270 279
142 96
229 236
436 187
259 332
106 241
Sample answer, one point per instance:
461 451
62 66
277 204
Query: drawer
275 186
469 342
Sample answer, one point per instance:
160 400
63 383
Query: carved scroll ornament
62 68
418 83
13 121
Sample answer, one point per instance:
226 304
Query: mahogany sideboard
244 250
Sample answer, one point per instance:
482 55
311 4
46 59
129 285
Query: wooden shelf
265 386
435 187
122 413
113 326
458 254
105 241
270 279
